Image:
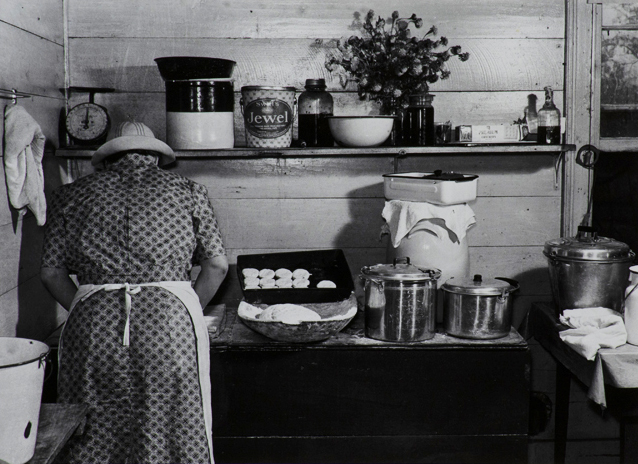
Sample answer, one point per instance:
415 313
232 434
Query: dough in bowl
288 314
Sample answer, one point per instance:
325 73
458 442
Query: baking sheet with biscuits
295 277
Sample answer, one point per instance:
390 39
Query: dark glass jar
419 129
549 121
314 106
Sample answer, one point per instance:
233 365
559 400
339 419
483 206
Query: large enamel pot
400 301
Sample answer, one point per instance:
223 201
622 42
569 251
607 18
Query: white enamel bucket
22 364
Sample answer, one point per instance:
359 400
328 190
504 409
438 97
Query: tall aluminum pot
588 271
400 301
478 308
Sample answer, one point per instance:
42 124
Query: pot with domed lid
478 307
588 271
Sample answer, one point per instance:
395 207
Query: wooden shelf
243 152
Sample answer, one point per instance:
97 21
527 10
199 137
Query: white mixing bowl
360 131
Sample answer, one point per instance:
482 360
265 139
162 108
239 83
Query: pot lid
400 271
450 176
588 246
477 285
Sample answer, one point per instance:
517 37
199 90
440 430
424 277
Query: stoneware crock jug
631 307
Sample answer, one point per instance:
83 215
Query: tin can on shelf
268 115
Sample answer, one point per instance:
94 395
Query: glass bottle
531 115
314 105
631 307
549 121
419 126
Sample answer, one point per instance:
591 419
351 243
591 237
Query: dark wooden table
354 399
622 402
57 423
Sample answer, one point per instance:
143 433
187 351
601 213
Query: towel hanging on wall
23 152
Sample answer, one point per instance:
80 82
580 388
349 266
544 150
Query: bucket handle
42 359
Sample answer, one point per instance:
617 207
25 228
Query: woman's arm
59 284
210 278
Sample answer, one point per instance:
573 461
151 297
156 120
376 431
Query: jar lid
316 83
400 272
588 246
479 286
421 99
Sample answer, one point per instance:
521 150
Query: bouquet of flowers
389 64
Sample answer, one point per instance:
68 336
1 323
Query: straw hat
129 136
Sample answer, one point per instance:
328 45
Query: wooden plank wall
31 61
281 204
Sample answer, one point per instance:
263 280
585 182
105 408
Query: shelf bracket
557 162
400 154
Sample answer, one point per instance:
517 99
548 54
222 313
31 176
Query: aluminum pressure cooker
588 270
478 308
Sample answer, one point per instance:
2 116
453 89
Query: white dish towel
592 329
401 216
23 152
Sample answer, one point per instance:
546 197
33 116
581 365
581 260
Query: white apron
184 291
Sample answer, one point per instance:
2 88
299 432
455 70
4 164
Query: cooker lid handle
405 259
587 234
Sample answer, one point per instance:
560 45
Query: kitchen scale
86 124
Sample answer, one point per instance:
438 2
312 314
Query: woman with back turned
135 345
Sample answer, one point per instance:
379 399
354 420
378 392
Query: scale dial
87 123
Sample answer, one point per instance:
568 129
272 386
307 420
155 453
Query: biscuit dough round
326 284
251 282
283 273
267 274
300 274
283 283
300 283
250 272
267 283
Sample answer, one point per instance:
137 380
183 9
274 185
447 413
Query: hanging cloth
23 152
401 216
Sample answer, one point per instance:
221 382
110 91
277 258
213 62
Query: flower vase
418 126
396 136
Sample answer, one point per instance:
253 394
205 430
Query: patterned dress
133 223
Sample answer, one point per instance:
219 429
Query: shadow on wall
38 313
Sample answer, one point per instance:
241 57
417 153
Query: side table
621 402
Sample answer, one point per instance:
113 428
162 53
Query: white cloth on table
401 216
592 329
23 152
